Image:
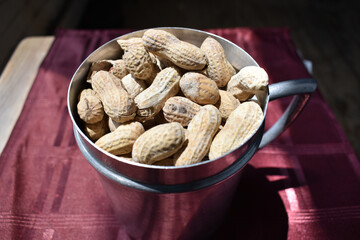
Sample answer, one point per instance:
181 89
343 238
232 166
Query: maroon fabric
304 185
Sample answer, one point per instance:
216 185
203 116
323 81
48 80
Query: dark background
326 32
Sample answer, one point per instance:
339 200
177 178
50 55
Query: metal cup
185 202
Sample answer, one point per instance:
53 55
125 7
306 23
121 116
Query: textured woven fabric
304 185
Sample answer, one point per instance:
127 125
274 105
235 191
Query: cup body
184 215
160 202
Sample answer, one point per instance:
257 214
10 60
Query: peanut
122 139
248 81
239 127
158 143
116 101
89 106
226 104
117 81
97 130
199 88
119 68
239 94
152 99
202 129
137 60
133 85
252 79
166 45
104 65
218 68
180 109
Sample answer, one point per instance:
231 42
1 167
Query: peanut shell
234 88
252 79
89 107
180 109
116 101
122 139
248 81
168 46
239 127
97 130
151 100
158 143
104 65
137 60
199 88
226 104
133 85
201 131
218 68
119 68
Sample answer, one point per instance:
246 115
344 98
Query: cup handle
302 89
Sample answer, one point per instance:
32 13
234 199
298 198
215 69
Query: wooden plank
21 71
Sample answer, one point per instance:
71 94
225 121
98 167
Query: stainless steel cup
187 202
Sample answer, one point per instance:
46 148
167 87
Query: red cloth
304 185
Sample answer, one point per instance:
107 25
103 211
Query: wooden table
16 81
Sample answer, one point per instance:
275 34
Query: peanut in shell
158 143
116 101
199 88
165 45
119 68
137 60
201 131
133 85
249 81
252 79
180 109
122 139
150 101
234 88
239 127
97 130
226 104
218 69
89 107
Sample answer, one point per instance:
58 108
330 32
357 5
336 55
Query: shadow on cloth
257 211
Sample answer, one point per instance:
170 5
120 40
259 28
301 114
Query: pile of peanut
169 102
